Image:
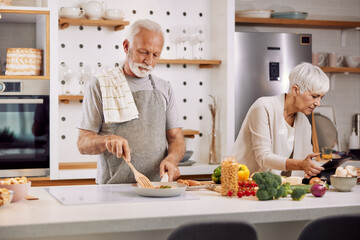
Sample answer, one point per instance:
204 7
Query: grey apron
146 137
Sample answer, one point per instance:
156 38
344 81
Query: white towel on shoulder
117 99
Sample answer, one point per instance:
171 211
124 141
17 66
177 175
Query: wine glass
83 74
65 74
201 36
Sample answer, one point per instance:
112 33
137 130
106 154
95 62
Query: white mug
335 59
71 12
318 59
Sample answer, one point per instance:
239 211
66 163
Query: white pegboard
191 84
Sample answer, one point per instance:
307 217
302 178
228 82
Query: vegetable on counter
243 172
269 186
318 190
216 176
298 194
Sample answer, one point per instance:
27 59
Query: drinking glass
66 74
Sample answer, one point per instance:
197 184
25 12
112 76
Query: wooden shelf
189 133
340 70
118 25
201 62
66 98
24 77
297 23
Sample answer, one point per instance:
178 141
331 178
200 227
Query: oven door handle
21 101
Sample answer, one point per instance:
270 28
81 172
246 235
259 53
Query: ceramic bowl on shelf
254 13
352 61
343 184
114 14
289 15
71 12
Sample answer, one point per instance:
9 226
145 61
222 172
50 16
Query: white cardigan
258 144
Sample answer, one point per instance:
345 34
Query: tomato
230 193
240 194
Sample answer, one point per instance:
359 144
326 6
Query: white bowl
352 61
343 184
254 13
21 190
177 189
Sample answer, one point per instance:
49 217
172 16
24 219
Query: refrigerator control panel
274 71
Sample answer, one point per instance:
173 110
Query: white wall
344 94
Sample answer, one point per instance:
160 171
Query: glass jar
214 148
229 176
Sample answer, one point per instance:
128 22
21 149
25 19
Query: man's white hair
309 78
141 24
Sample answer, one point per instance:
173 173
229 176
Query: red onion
318 190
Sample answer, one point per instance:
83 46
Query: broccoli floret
287 189
263 195
268 184
298 194
280 192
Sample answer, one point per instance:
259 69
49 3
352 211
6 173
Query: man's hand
118 146
309 167
171 167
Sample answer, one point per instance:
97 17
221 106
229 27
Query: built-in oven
24 128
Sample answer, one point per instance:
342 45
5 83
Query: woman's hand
309 167
118 146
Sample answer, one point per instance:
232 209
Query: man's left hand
171 167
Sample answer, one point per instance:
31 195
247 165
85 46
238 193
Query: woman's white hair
140 25
309 78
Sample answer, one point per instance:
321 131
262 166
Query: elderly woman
276 135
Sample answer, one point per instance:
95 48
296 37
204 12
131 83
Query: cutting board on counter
100 194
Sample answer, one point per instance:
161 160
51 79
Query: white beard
135 68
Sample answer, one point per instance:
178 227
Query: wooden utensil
314 137
28 197
140 178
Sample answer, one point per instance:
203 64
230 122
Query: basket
23 61
5 2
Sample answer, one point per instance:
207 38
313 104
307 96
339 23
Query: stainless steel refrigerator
263 62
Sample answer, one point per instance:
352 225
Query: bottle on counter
229 176
353 140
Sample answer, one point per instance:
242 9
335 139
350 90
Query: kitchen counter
49 219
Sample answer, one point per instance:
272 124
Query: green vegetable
280 192
216 176
298 194
287 189
269 186
306 187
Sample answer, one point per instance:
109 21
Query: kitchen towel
118 102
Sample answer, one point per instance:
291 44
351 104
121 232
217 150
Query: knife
207 186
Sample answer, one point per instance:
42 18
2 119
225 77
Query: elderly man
130 115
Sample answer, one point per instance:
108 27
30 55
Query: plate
326 131
176 190
70 16
290 15
186 163
254 13
114 18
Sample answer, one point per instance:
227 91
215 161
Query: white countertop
47 217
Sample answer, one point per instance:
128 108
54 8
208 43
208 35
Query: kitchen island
47 218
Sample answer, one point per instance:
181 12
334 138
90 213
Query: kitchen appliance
24 128
263 62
